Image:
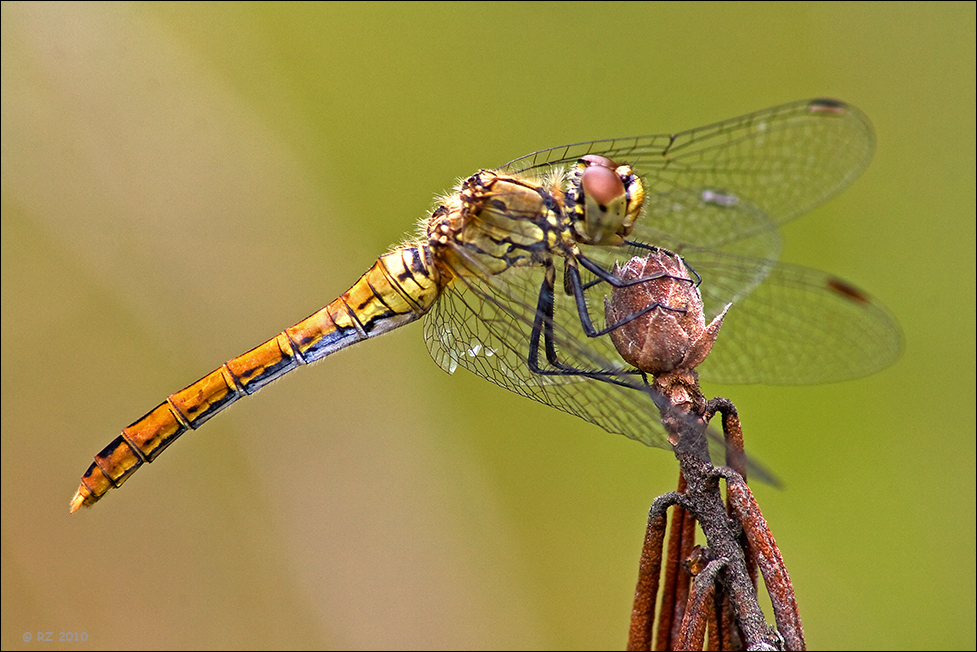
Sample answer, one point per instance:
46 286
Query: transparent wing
799 326
667 224
484 324
788 324
783 161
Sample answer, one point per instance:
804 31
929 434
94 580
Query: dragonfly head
603 200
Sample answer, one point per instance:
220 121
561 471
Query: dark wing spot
848 291
828 106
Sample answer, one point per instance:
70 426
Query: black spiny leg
543 325
576 286
545 310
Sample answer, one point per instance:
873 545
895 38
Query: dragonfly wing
799 326
667 225
788 324
784 161
706 218
484 324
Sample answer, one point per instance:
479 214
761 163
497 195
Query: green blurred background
181 182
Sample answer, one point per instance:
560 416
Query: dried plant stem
649 575
775 575
693 630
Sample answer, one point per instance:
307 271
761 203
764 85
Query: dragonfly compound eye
605 205
602 185
593 160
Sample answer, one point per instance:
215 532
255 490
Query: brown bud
673 334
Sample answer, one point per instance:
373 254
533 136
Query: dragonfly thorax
496 221
603 200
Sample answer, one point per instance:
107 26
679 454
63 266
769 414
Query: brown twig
675 592
692 633
775 576
736 460
649 575
732 432
704 500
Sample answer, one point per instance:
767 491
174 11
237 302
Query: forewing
783 161
666 226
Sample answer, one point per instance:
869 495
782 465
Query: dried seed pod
671 334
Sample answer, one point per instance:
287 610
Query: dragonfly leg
543 329
576 287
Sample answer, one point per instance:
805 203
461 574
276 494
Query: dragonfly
509 272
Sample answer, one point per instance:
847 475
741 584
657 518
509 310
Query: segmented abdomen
399 288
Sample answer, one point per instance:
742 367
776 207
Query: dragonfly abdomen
398 289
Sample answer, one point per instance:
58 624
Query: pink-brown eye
599 161
602 185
